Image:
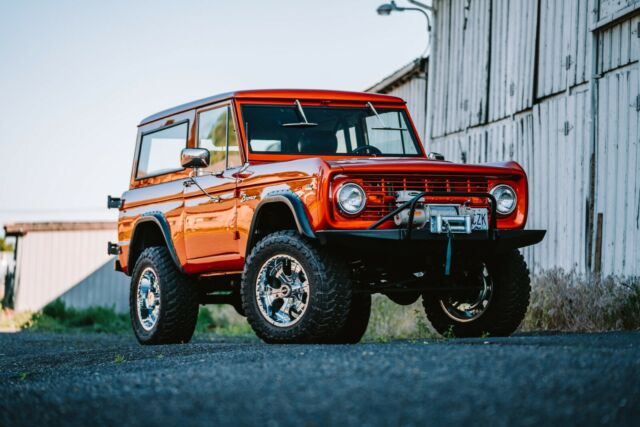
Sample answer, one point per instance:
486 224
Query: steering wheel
364 148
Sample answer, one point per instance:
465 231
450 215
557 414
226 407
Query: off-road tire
357 320
178 300
330 290
237 304
507 308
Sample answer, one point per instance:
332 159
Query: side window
217 133
160 151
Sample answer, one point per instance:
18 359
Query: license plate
479 219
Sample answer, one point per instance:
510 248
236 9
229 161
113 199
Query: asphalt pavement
87 379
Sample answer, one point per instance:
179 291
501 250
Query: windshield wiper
384 127
304 124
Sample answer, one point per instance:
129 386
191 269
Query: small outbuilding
66 260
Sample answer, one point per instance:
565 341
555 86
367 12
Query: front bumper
423 239
398 241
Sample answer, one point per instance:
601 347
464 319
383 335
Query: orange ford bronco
295 206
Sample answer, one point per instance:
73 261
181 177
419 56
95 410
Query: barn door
617 208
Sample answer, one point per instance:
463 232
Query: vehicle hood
404 165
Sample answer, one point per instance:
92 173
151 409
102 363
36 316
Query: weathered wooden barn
554 85
65 260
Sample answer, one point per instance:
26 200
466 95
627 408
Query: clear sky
77 76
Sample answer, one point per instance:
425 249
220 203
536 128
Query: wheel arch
277 212
151 229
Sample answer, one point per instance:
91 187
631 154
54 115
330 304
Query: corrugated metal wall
72 265
535 108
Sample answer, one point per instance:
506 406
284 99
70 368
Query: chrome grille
381 190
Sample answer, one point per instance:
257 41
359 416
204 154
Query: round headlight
351 198
506 198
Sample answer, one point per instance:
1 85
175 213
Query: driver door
210 207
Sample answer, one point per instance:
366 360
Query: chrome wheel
148 299
470 309
282 291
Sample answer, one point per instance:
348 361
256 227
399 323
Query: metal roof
21 228
399 76
308 94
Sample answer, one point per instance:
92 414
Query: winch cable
447 262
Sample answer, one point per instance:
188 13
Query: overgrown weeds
567 301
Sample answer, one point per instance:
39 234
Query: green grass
57 317
560 301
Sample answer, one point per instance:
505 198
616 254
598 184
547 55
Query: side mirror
435 156
194 158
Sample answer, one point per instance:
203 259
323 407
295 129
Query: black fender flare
295 205
160 220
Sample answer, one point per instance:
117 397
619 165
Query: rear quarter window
160 150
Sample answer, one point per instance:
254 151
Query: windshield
329 131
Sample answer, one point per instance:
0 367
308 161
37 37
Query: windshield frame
275 156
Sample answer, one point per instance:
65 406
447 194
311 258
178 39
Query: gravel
90 379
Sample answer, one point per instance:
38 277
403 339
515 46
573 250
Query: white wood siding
563 45
549 43
610 7
462 66
513 38
619 45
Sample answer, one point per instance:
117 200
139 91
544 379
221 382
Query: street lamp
386 9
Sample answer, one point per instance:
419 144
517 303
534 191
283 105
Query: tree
5 246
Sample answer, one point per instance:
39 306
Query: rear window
160 150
